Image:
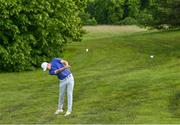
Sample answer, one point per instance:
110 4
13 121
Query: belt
67 76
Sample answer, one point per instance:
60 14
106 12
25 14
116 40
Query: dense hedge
32 31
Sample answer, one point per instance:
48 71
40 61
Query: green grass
115 82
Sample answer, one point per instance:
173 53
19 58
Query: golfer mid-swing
60 68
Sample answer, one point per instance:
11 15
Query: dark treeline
145 12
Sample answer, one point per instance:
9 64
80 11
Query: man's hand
64 62
62 69
68 66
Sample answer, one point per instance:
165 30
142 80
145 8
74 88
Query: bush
145 18
128 21
87 20
91 22
84 17
32 31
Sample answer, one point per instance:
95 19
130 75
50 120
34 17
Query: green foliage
84 17
87 20
131 8
32 31
91 22
145 18
108 12
112 11
175 13
146 12
134 8
128 21
144 4
166 12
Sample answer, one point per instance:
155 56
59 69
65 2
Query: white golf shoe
58 111
67 113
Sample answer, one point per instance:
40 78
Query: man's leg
62 88
70 87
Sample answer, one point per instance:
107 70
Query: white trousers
67 83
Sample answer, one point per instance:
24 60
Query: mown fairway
115 82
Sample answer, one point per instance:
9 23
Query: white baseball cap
44 66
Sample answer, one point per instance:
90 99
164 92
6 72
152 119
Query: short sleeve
52 72
57 59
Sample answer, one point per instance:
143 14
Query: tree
144 4
32 31
134 6
174 14
106 11
165 12
146 12
126 9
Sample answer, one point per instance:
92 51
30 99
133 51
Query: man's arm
61 69
65 62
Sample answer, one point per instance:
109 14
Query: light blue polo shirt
56 64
